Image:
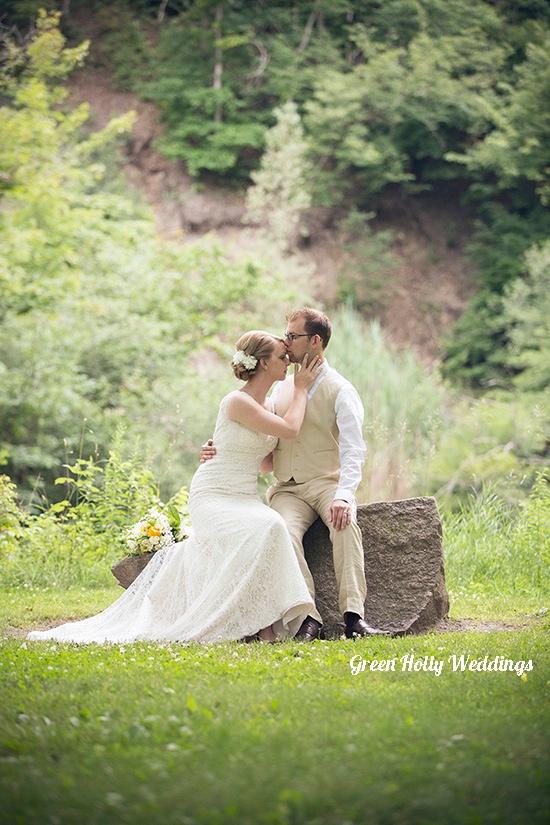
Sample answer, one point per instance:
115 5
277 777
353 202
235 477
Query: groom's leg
298 516
347 550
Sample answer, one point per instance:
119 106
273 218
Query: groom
318 472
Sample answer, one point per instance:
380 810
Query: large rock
402 541
127 569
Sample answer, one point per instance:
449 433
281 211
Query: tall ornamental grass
425 439
495 549
404 407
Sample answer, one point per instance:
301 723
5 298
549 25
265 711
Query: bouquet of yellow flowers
155 530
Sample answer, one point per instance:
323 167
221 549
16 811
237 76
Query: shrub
11 515
75 541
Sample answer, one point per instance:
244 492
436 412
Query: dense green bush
478 350
499 439
75 541
102 322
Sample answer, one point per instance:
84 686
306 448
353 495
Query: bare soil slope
418 300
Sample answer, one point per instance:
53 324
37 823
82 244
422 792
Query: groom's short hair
315 323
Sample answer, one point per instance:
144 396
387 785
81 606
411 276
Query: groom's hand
340 514
208 451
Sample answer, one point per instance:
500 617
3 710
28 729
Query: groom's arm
208 451
267 464
349 419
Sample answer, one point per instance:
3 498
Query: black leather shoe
361 628
309 630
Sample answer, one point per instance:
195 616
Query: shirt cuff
345 494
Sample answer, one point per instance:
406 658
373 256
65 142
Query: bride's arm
242 408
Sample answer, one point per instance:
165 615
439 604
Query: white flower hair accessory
247 361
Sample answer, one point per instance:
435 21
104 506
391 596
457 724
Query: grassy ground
278 735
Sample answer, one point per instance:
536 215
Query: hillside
416 302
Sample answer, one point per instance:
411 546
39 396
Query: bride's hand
306 374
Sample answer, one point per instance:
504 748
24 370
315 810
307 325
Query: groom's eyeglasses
291 336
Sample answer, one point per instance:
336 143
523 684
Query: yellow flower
153 531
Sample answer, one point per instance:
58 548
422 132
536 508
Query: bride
237 574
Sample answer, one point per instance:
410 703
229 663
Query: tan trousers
300 505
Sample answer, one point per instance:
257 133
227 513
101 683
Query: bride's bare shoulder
238 402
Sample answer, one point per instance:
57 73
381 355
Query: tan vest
314 452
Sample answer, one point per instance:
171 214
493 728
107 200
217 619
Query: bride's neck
257 390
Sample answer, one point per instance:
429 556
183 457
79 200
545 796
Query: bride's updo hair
250 348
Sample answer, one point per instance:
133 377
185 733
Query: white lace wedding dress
235 574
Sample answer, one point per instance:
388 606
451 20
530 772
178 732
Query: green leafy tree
526 309
503 233
517 147
476 351
392 116
207 111
99 318
279 195
46 170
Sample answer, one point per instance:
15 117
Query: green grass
288 735
27 607
509 610
236 733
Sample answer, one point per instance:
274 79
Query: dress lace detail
235 574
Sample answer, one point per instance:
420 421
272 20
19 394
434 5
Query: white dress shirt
349 419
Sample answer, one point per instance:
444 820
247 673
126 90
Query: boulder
403 547
402 542
127 569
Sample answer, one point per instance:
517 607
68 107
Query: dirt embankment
424 293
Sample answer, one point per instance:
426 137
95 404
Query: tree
100 320
207 110
476 350
46 169
393 115
526 309
517 146
280 194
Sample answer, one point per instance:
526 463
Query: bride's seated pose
236 575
